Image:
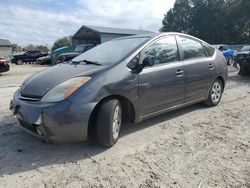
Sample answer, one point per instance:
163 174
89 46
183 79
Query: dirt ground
189 147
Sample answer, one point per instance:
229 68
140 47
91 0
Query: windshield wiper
87 62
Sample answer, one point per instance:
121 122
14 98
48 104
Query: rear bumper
53 122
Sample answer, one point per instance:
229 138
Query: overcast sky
43 21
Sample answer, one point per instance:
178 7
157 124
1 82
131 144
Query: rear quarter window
210 50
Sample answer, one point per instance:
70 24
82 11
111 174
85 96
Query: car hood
40 83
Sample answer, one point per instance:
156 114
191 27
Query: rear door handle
179 73
211 66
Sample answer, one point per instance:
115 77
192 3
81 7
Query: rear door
162 85
199 68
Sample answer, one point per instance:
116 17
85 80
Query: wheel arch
222 80
128 112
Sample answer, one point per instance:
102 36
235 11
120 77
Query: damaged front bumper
53 122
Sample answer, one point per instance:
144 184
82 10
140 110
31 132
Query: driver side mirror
148 61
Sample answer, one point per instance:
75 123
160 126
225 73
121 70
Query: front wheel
109 120
215 93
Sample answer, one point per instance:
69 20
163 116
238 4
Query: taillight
4 61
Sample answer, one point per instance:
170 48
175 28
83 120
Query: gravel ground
186 148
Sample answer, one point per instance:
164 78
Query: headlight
65 89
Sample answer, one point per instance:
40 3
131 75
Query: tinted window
164 50
37 53
210 50
192 49
34 53
113 51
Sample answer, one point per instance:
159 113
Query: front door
162 85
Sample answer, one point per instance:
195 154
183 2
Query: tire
109 120
215 93
19 62
243 70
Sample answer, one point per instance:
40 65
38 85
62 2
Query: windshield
113 51
245 48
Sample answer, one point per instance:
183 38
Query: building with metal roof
97 34
5 48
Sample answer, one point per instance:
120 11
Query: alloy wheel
117 117
216 92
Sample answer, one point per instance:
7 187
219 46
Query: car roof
157 35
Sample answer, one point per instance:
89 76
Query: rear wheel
109 120
215 93
19 62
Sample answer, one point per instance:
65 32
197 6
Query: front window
112 52
164 50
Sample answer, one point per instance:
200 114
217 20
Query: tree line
64 41
18 48
215 21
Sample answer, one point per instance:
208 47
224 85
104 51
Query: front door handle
179 73
211 66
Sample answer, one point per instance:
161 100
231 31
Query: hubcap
216 92
116 121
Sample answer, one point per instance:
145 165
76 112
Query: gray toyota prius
126 79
